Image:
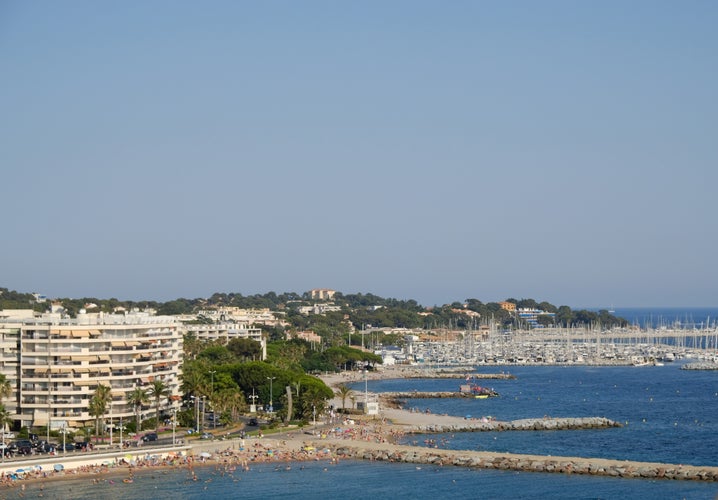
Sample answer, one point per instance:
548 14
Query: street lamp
366 393
110 423
271 405
174 425
253 406
120 431
196 411
214 416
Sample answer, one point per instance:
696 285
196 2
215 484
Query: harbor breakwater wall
527 463
396 398
456 375
526 424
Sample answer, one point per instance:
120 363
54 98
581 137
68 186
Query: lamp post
366 393
64 432
271 405
196 411
120 431
174 425
253 406
110 423
214 416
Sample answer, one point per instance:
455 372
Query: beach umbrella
19 471
58 467
204 454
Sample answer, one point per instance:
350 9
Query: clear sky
561 151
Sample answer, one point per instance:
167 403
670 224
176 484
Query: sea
668 317
667 415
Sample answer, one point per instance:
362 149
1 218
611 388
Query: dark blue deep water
668 414
657 317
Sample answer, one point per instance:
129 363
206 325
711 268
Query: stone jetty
526 424
700 366
396 398
525 463
451 374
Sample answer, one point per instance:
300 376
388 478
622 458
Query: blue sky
561 151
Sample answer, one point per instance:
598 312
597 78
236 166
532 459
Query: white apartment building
54 364
227 332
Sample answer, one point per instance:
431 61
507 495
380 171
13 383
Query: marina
550 346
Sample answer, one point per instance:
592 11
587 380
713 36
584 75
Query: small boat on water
477 391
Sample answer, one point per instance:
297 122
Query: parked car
44 447
253 422
22 447
152 436
9 435
68 447
207 435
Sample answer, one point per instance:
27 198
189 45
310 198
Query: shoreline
358 437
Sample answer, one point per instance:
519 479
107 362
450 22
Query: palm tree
5 420
229 402
344 392
137 398
5 388
158 390
5 392
98 404
194 384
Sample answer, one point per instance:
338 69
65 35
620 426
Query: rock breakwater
526 424
527 463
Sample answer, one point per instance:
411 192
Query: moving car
152 436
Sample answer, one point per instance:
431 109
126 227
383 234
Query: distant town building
249 316
530 316
508 306
322 294
309 336
227 331
318 309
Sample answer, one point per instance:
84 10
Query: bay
668 415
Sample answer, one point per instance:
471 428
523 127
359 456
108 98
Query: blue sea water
656 317
669 415
362 480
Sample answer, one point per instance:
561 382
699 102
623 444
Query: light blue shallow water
362 480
